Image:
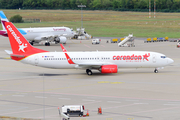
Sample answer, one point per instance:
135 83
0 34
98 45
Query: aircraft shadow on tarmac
47 74
94 74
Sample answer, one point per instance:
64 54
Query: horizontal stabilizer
14 55
8 52
19 56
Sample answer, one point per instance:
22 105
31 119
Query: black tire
47 44
80 115
89 72
155 71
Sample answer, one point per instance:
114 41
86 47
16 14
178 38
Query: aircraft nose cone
170 60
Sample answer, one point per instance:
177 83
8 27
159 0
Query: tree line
117 5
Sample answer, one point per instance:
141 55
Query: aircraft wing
83 65
49 37
92 65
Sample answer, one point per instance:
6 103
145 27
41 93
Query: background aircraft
36 35
105 61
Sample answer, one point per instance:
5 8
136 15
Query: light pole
81 14
149 8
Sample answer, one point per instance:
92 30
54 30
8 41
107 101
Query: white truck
96 41
74 110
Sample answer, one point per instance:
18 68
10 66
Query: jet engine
61 39
109 69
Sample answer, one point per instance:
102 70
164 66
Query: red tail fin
19 45
63 49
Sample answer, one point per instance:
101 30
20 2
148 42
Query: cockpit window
163 56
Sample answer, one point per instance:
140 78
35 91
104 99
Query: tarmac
131 94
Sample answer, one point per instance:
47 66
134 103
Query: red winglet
19 45
69 59
63 49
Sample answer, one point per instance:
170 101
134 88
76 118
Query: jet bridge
124 43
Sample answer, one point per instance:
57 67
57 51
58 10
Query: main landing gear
89 72
155 71
47 44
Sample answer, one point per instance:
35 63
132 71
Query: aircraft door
36 59
154 58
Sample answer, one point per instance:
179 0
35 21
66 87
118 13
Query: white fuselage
123 59
39 34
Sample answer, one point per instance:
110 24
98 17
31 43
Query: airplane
104 61
36 35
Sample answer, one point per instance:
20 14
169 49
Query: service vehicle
155 39
148 40
160 39
96 41
166 38
73 110
178 45
115 40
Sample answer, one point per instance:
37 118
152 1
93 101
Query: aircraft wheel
89 72
155 71
47 44
80 115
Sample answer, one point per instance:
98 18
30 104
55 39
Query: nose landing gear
155 71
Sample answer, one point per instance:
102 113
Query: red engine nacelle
109 69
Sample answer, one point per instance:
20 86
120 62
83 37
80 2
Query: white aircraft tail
3 19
